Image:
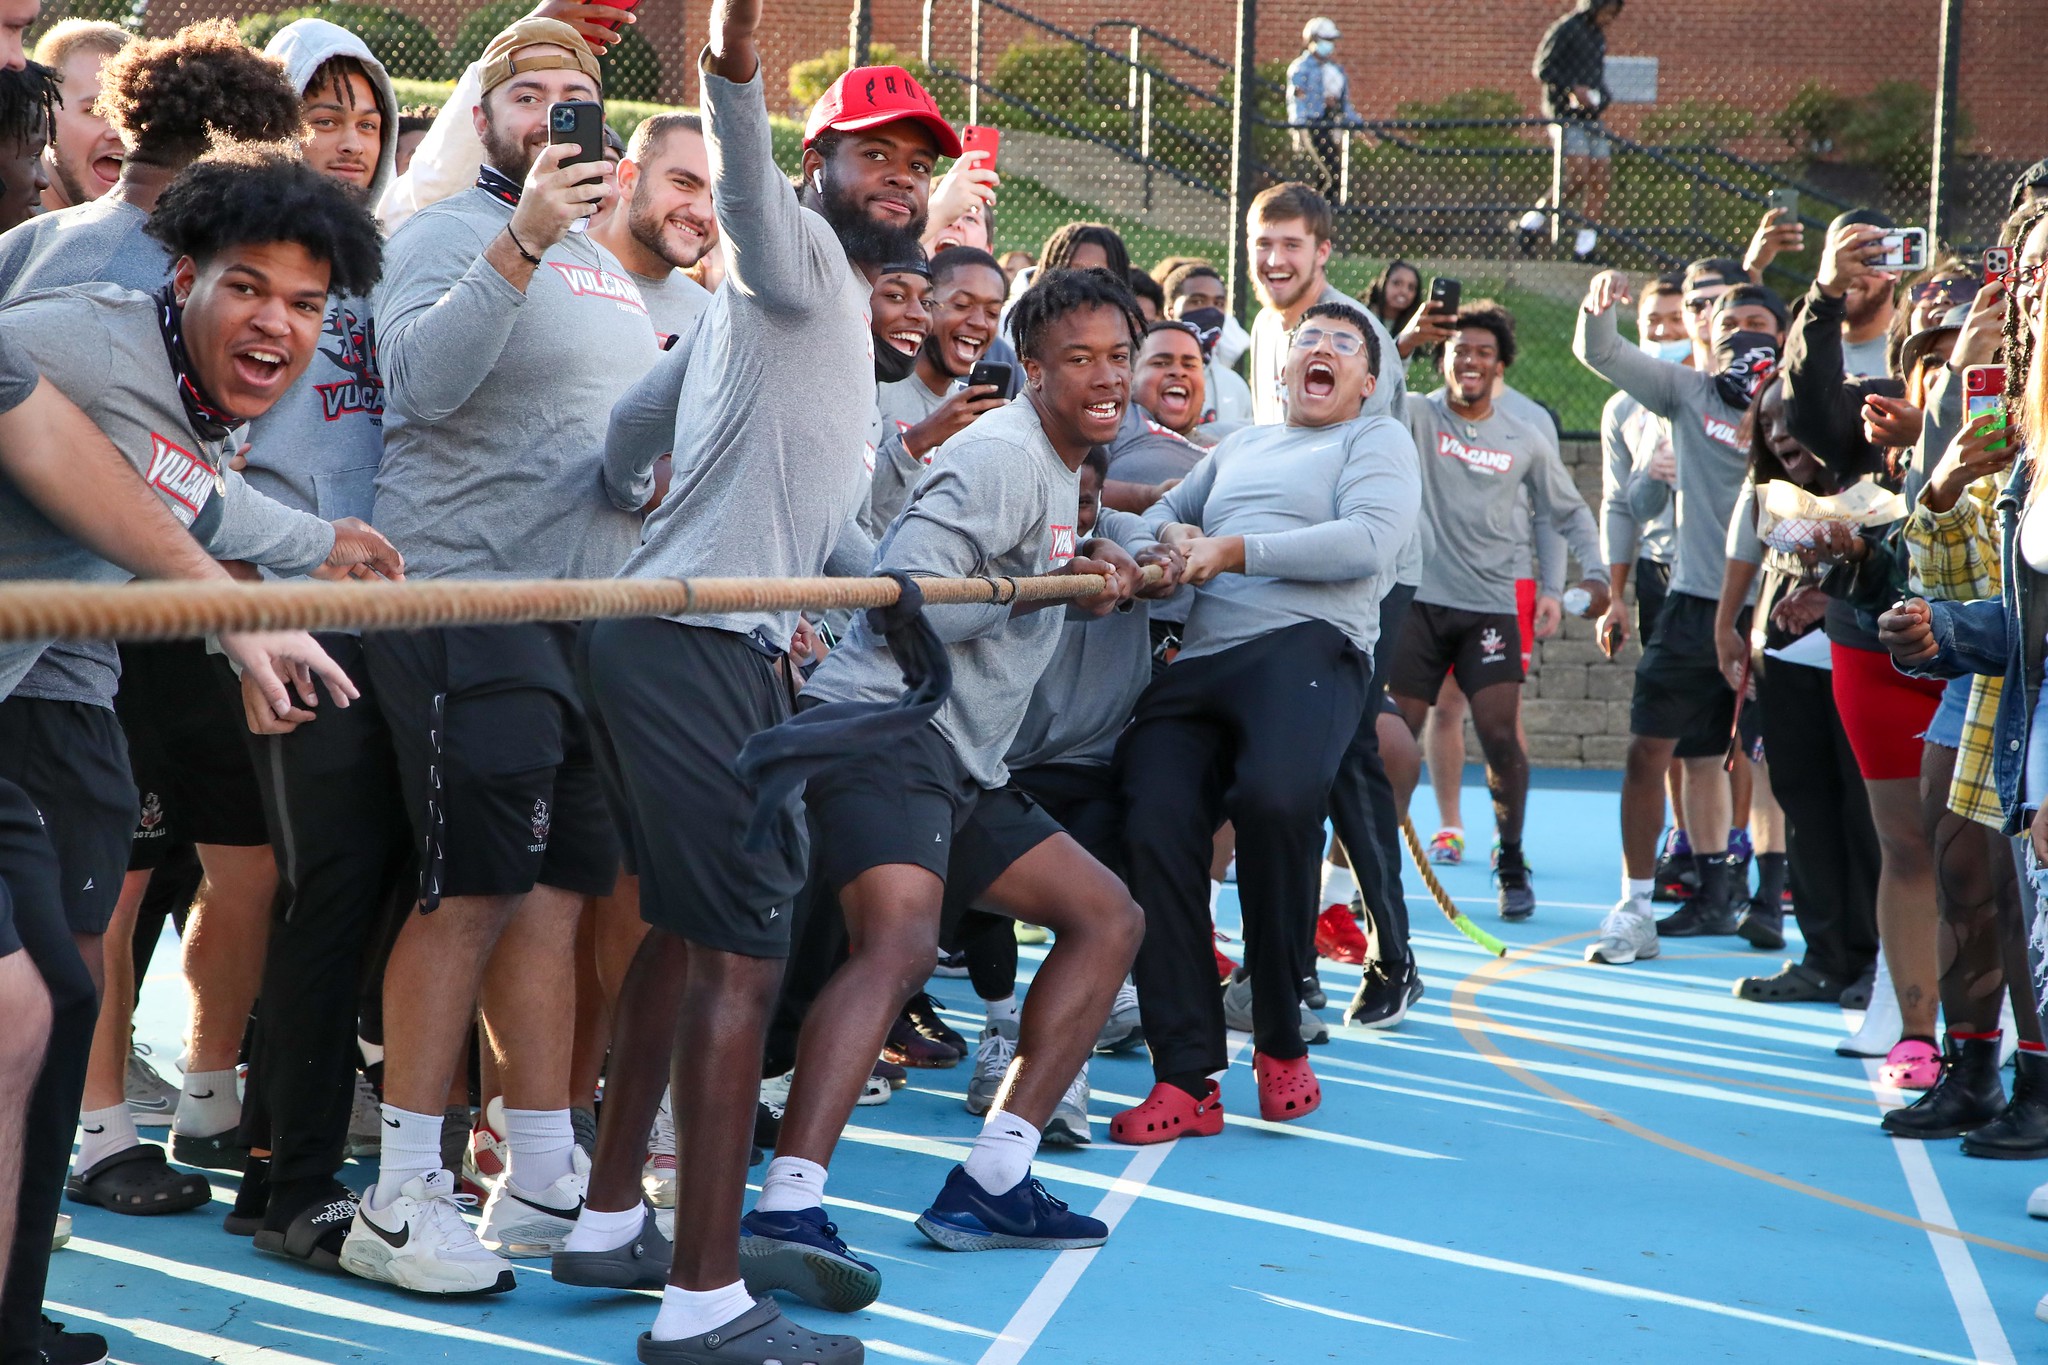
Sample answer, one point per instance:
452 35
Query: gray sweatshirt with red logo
997 500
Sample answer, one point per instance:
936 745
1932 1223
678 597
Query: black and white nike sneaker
422 1242
526 1223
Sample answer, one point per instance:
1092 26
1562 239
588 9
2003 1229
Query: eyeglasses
1699 304
1343 343
2027 276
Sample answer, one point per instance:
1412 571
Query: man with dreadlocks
28 117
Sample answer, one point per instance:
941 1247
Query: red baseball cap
870 96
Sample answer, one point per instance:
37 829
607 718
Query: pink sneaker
1912 1064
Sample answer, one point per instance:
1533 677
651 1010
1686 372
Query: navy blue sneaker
965 1217
801 1252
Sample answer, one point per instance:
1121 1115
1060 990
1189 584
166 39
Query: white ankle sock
596 1231
208 1105
412 1147
1003 1011
1001 1156
692 1312
103 1132
790 1184
1338 885
1637 888
538 1146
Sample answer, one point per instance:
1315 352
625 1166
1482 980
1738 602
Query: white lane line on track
1035 1314
1341 1315
1952 1254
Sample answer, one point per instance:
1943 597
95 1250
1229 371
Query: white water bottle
1576 600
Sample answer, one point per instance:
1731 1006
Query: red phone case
615 24
977 137
1979 380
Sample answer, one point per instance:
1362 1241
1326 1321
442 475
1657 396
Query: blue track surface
1549 1162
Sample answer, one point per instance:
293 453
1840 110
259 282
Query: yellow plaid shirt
1956 558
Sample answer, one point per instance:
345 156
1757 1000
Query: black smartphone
1445 295
1786 200
991 372
579 123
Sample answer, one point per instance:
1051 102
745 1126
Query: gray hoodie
319 448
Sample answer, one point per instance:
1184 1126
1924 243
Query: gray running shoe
365 1120
991 1064
1068 1126
1237 1012
152 1100
1122 1031
583 1123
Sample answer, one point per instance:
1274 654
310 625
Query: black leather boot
2020 1133
1967 1096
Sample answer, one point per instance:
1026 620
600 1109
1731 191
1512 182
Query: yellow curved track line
1466 995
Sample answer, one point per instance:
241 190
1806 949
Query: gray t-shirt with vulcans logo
997 500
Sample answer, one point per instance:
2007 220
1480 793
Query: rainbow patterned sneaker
1447 848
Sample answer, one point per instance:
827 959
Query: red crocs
1287 1089
1169 1112
1339 938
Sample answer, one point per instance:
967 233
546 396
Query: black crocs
220 1152
1795 981
761 1335
140 1181
315 1233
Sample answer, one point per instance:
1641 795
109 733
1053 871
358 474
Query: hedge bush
808 80
406 46
631 69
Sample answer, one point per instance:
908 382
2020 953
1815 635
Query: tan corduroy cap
499 65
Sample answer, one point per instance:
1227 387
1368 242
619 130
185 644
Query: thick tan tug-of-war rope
173 611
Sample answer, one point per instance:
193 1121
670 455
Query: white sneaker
2037 1203
365 1120
61 1238
1122 1031
658 1176
1068 1126
152 1100
991 1064
1535 220
522 1223
1882 1022
1584 242
873 1091
422 1243
1628 934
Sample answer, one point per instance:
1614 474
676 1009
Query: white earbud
818 181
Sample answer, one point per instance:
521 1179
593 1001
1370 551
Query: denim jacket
2002 637
1305 106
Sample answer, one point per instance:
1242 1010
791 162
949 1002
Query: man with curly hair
257 241
27 112
169 99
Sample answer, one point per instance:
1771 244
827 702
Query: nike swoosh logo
96 1131
569 1213
391 1123
198 1096
395 1240
155 1103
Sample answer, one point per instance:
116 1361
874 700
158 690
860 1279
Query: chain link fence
1128 115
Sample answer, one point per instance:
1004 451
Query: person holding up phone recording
503 337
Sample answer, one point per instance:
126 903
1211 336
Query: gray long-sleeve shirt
1712 461
1084 698
1632 526
1475 476
766 404
1324 512
101 242
1269 363
898 407
496 399
103 349
997 500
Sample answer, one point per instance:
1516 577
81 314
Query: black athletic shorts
1653 585
1680 693
495 759
72 760
188 747
672 705
920 807
1478 648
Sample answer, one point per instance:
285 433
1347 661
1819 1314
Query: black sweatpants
1362 808
336 818
28 866
1828 832
1253 735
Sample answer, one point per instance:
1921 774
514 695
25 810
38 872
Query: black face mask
891 364
1208 325
1743 364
